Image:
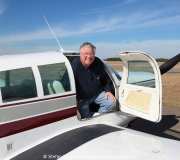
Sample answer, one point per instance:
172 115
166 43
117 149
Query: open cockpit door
140 91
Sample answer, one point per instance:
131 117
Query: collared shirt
88 81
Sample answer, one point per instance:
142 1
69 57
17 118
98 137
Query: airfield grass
170 84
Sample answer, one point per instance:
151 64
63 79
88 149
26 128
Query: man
92 82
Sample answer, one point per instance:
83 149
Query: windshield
117 75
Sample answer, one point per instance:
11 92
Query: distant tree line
113 59
161 59
118 59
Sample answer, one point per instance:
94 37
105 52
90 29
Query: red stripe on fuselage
34 122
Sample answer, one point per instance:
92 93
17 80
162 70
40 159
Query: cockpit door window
141 73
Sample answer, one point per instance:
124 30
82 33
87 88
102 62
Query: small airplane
39 117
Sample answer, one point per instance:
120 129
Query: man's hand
111 96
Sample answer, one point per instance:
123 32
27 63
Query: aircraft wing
100 141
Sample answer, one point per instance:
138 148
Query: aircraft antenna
61 49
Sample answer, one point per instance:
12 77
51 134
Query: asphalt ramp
168 127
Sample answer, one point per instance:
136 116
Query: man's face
87 56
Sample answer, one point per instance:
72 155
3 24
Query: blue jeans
106 105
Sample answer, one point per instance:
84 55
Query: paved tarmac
168 127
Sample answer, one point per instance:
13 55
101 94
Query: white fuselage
26 121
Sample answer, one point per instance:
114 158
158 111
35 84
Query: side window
141 73
55 78
17 84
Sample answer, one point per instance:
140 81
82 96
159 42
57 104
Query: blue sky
151 26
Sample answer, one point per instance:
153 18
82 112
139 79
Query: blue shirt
88 81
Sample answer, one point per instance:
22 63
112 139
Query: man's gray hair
89 45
